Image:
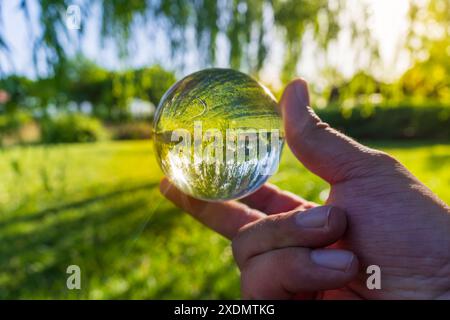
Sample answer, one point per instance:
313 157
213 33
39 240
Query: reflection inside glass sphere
218 135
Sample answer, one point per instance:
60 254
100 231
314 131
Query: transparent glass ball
218 134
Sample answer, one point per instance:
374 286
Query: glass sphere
218 135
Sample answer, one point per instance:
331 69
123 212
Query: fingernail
333 259
313 218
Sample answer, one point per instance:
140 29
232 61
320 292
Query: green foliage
132 130
295 17
434 17
72 128
428 80
424 84
18 90
246 25
427 122
109 92
98 206
242 22
148 84
12 122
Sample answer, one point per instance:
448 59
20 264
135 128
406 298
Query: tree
109 92
429 44
243 23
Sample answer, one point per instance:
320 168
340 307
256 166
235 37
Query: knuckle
311 128
306 130
236 248
386 158
278 229
384 163
272 223
247 283
240 243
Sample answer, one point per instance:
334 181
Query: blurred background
78 89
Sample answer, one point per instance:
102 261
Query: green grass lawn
98 206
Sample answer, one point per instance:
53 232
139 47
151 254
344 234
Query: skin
377 213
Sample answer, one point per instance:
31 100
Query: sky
388 23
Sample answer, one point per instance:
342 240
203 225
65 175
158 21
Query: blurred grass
98 206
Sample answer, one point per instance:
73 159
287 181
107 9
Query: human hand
392 220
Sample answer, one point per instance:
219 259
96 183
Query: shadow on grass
97 234
438 161
72 205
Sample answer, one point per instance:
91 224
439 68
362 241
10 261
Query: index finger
225 218
271 199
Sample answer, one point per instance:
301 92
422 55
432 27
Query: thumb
323 150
